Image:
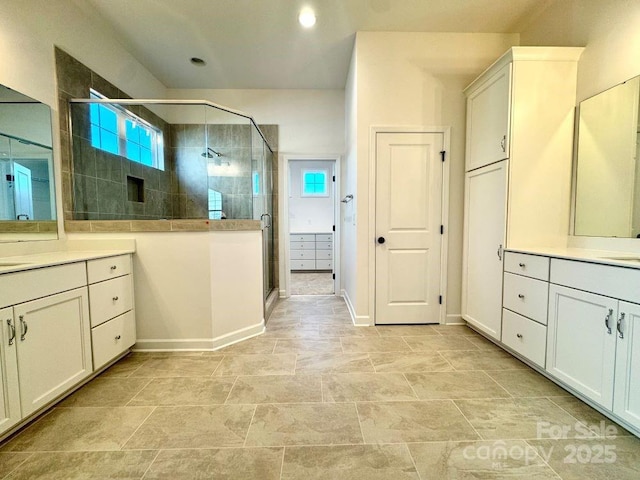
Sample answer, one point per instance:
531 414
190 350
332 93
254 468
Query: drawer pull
519 335
521 265
24 328
12 331
114 267
521 296
115 299
619 326
118 337
606 321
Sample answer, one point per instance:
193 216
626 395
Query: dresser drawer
110 299
324 264
324 237
526 296
112 339
303 245
324 245
303 264
324 254
302 254
533 266
524 336
302 237
106 268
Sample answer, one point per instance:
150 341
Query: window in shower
215 205
314 183
118 131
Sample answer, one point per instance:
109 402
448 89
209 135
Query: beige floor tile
256 345
395 422
526 383
332 319
593 419
373 344
85 465
304 283
517 418
347 331
301 345
126 366
293 331
219 464
483 360
406 330
483 344
257 365
313 362
352 462
193 427
304 424
11 461
366 387
178 366
184 391
432 343
409 362
106 392
455 330
509 460
77 429
594 459
452 385
276 389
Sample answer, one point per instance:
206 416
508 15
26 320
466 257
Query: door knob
381 240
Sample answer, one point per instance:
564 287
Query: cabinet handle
12 331
521 265
118 337
619 326
24 328
503 143
521 296
606 321
115 299
114 267
519 335
499 252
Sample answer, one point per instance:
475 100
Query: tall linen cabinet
520 115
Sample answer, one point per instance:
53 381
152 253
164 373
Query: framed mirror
27 193
607 176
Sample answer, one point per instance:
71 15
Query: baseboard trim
357 320
195 344
454 319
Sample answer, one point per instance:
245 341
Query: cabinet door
54 346
9 389
581 348
488 110
626 397
484 221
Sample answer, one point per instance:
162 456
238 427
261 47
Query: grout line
282 462
128 404
467 420
544 461
153 409
404 375
359 422
230 390
413 460
150 464
30 454
244 444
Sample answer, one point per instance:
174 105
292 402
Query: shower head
210 152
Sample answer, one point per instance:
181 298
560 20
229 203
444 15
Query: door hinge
440 299
441 229
334 178
334 228
442 154
334 276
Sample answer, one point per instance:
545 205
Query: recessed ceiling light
198 62
307 18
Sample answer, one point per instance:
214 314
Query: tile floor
316 398
311 283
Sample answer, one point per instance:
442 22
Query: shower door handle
266 225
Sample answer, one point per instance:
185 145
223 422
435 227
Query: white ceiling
259 43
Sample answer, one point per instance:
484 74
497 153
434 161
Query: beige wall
411 79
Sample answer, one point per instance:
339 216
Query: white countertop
619 259
28 262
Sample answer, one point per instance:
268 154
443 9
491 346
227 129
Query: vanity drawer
533 266
324 237
526 296
112 338
302 237
524 336
324 264
110 299
302 255
106 268
324 245
303 245
324 254
303 264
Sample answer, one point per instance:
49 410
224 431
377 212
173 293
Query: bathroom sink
624 259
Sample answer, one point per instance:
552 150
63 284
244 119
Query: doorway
409 227
311 240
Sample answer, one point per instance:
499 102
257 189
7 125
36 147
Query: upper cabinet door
488 114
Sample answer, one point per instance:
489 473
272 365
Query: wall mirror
607 175
27 194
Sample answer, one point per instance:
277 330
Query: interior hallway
316 398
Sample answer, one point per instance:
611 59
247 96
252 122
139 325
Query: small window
118 131
215 205
314 183
256 183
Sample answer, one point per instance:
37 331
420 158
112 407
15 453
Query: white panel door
54 346
626 397
408 219
23 192
9 389
484 232
581 342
